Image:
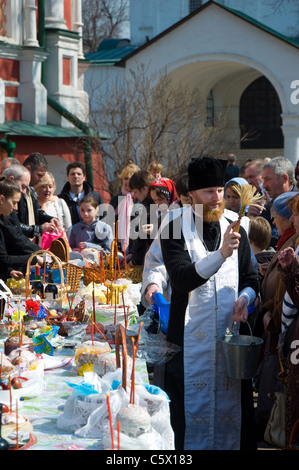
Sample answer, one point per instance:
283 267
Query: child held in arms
90 232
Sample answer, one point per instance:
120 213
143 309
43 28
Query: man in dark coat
33 220
139 184
75 188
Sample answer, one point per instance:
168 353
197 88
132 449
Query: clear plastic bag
154 347
86 410
23 360
87 415
88 353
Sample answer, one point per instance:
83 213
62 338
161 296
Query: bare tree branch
102 19
151 119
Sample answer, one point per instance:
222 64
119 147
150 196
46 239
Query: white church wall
151 17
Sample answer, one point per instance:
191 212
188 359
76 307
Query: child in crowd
155 169
90 232
260 235
260 238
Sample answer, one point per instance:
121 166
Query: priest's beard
212 215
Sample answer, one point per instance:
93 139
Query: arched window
260 116
194 4
210 110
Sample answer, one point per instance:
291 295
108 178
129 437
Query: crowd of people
184 235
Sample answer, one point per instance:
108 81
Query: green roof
110 56
25 128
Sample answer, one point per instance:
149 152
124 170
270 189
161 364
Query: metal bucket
241 354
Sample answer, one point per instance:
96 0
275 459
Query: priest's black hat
206 172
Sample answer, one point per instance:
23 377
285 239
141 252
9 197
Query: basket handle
120 338
36 253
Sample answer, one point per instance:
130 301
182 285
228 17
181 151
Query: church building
242 56
43 104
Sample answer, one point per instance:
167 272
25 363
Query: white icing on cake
134 420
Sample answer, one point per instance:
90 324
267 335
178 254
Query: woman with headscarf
233 203
269 321
231 196
163 192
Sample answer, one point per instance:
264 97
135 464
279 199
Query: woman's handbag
275 429
267 382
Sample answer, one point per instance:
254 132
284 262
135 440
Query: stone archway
224 51
226 80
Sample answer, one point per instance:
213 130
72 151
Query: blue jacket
81 232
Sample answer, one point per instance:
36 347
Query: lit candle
2 308
93 312
139 331
118 433
17 426
110 421
132 395
125 316
10 395
100 266
115 306
127 321
103 264
27 284
125 255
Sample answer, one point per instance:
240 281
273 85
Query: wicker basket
78 313
93 274
60 248
73 275
61 288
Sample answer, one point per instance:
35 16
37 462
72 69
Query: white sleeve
67 220
209 265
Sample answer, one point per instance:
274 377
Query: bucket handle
229 331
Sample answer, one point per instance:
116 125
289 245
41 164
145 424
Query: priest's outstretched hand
241 310
230 241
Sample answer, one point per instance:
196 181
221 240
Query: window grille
210 110
260 116
194 4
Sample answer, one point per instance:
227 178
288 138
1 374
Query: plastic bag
155 348
87 415
88 353
48 237
23 360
